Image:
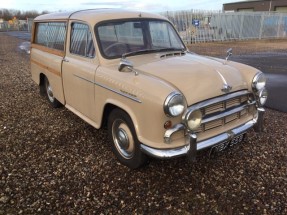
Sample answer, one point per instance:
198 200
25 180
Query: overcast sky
144 5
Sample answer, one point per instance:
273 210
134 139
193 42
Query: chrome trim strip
165 153
84 79
213 101
222 78
225 136
184 150
110 89
227 113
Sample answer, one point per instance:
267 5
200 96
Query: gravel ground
51 162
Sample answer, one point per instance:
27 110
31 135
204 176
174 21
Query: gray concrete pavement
274 65
20 34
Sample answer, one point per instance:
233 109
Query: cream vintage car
131 72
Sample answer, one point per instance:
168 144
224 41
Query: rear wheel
50 95
123 139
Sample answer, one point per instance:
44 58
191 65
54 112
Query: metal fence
206 26
195 26
19 25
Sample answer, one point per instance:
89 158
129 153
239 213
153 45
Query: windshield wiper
145 51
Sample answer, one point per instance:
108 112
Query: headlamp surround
259 81
174 104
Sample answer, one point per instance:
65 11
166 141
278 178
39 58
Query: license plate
224 145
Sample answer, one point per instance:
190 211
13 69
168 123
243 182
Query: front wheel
50 95
123 139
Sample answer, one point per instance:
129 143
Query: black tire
49 94
124 141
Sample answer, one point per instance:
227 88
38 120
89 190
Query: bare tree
9 14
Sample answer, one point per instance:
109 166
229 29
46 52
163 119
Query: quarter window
81 40
51 35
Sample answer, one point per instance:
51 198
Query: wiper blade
144 51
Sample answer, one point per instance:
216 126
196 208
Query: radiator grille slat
231 118
213 124
214 108
243 112
232 104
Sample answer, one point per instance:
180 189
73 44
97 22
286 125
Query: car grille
224 110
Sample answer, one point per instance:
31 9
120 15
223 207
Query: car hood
197 77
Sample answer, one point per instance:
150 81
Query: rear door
47 53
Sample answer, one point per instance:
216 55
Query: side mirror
229 53
126 66
26 47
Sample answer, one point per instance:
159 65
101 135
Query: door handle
65 60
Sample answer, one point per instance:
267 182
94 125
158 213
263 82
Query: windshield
121 37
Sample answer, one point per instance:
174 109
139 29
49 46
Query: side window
51 35
41 34
81 40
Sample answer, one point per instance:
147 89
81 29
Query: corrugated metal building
263 5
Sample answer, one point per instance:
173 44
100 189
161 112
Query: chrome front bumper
192 146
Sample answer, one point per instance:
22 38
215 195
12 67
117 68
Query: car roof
96 15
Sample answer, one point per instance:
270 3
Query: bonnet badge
226 88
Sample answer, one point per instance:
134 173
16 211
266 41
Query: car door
78 69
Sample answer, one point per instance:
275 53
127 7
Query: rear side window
81 40
51 35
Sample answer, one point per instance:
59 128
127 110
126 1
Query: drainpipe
270 6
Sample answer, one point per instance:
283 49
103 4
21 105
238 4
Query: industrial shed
262 5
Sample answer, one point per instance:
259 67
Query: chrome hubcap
123 139
49 92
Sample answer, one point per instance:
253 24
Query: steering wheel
117 48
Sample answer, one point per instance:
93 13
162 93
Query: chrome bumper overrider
193 146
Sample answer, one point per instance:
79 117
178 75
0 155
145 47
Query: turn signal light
168 124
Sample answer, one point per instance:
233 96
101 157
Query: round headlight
259 81
263 97
174 104
194 119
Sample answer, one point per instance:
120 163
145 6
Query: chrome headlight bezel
174 104
262 97
259 82
193 119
